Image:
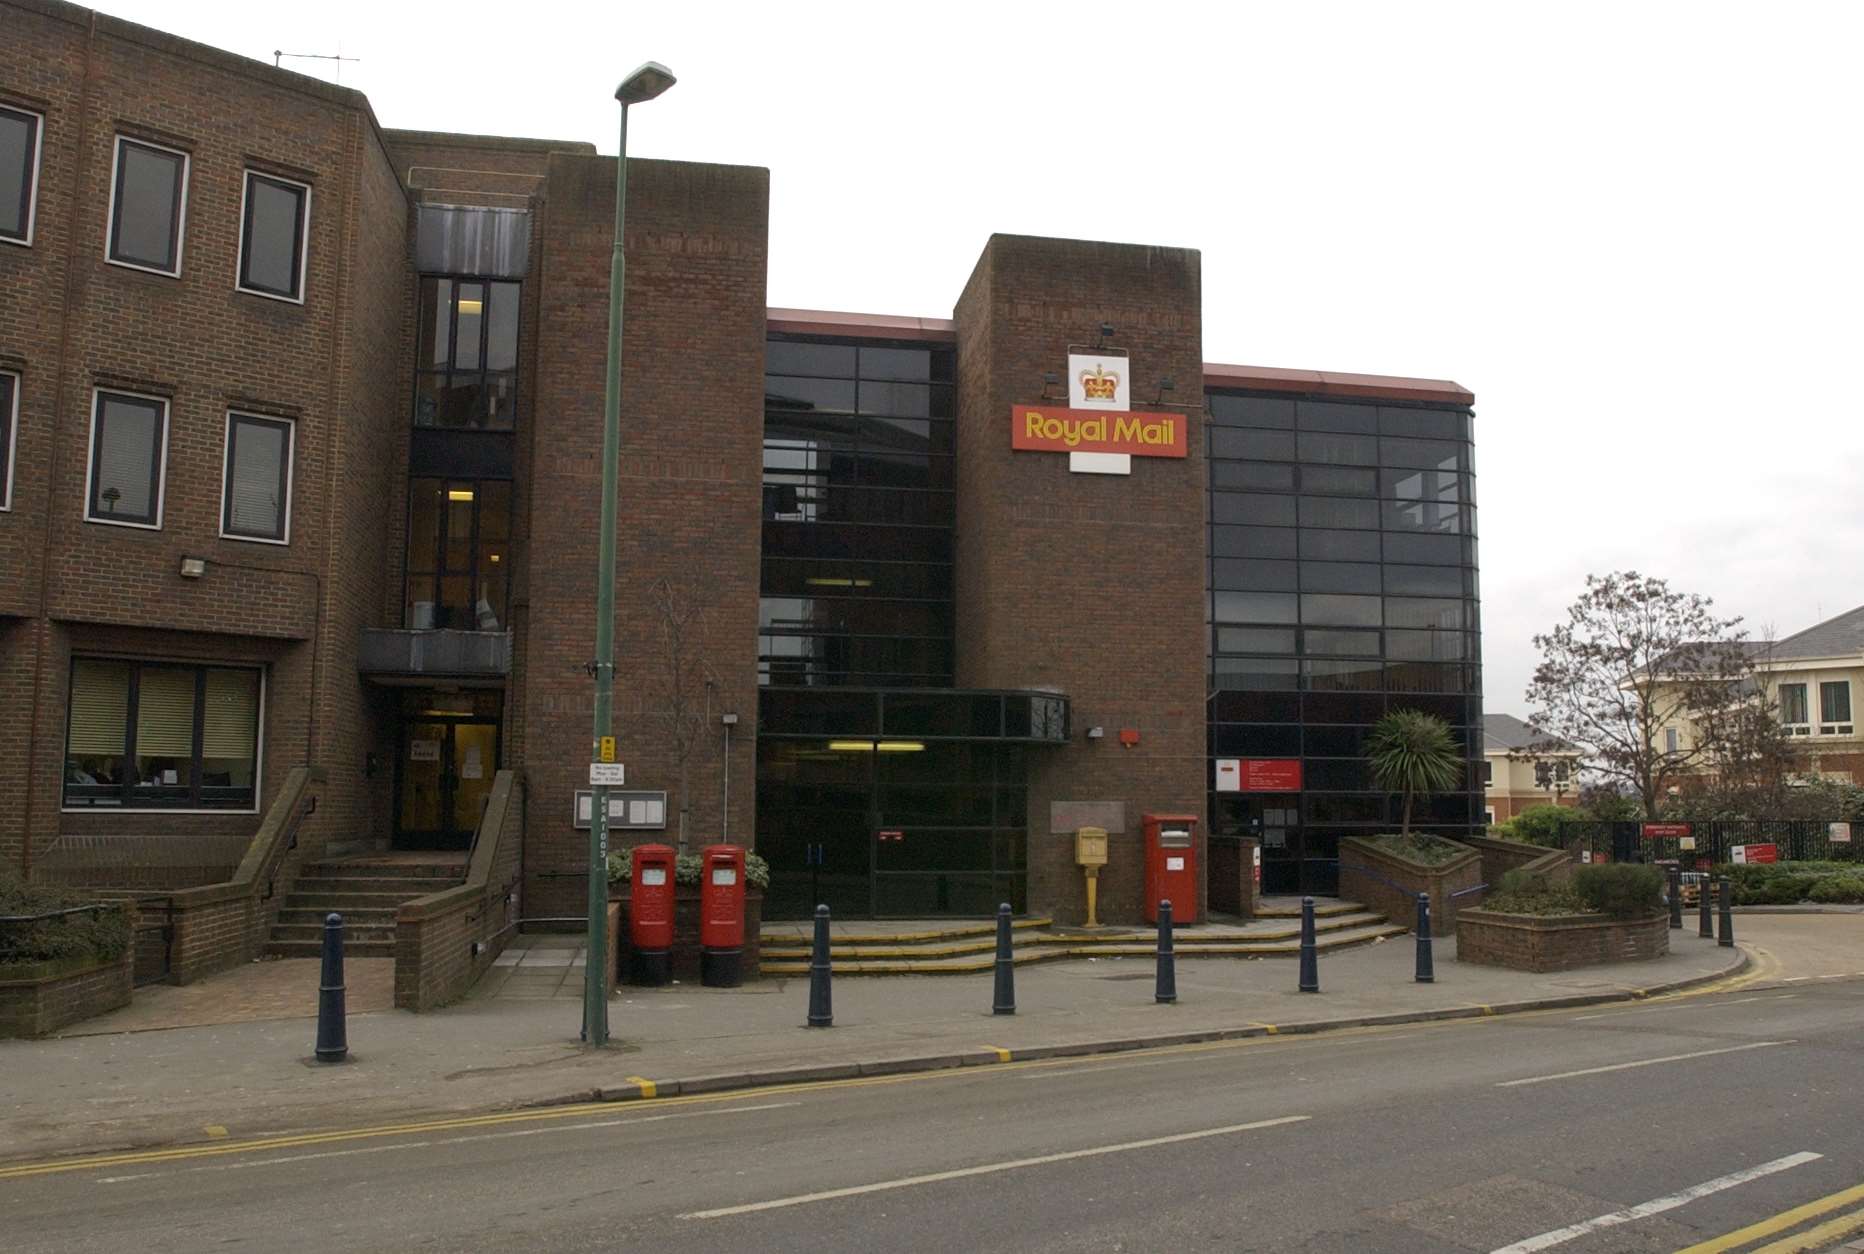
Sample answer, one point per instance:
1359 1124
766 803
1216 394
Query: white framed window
148 207
9 434
1793 710
1488 815
1670 740
22 134
1488 774
255 478
1835 708
128 459
275 220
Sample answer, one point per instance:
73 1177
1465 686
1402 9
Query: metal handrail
93 908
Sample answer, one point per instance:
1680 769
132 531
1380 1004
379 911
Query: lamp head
648 80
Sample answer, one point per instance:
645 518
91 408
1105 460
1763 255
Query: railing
444 940
1796 840
23 924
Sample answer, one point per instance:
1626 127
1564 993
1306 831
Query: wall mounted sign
1744 855
1100 381
1229 775
642 811
1050 429
1271 775
1840 832
423 751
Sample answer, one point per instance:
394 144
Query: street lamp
644 84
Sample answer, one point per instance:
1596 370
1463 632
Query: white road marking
1656 1206
451 1140
1202 1055
1645 1062
936 1177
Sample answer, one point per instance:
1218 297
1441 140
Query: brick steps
367 892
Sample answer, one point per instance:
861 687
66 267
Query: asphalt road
1630 1128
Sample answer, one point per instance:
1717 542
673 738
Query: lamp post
646 82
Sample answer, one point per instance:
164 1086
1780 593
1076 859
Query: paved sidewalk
257 1078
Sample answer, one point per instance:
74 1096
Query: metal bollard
821 1013
1426 970
1728 913
1166 991
1004 1000
1705 926
1676 896
332 1032
1310 954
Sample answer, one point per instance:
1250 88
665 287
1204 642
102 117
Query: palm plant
1412 752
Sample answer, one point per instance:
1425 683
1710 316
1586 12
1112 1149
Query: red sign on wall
1744 854
1271 775
1662 831
1056 429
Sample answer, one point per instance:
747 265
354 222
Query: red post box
650 915
1171 866
721 916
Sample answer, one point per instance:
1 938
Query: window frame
1836 726
9 441
160 476
31 188
200 669
240 281
452 368
234 416
113 218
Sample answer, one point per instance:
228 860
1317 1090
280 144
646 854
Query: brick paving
281 988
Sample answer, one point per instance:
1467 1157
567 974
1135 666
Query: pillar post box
721 916
650 915
1171 866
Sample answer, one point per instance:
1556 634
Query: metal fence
1711 843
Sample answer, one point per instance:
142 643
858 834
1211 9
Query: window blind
230 723
255 481
99 708
165 713
128 437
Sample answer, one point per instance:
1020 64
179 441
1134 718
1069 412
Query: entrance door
445 777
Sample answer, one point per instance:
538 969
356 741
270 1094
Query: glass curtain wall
1342 585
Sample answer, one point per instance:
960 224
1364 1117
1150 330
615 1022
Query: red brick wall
39 1007
70 322
1526 943
690 487
1090 584
1390 887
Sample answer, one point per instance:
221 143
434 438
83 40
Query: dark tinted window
258 478
1338 511
1237 442
272 236
1345 611
1260 476
19 173
1436 424
1336 416
1255 639
146 212
1252 607
1251 411
1247 508
1338 450
1339 577
1339 546
128 438
1344 480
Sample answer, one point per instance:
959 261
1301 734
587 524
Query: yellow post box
1090 851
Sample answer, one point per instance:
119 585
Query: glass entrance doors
443 781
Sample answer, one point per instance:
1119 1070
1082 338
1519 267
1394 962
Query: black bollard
1426 971
1004 1000
1310 955
1728 914
1676 896
332 1033
821 1014
1705 926
1167 990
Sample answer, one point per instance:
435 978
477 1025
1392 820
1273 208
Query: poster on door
474 765
423 751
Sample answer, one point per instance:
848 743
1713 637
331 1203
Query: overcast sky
1632 230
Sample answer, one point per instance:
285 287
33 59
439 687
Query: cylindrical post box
650 915
721 916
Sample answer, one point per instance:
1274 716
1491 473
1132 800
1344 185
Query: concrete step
389 867
314 932
297 899
775 933
1280 909
1277 930
1060 950
313 916
315 949
405 888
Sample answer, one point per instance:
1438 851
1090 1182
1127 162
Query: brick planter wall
1554 866
39 999
1542 943
685 953
1365 870
1233 875
447 940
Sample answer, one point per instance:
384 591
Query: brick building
302 437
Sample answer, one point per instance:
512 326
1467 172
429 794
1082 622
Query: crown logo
1100 385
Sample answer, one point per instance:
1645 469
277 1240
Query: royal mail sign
1050 429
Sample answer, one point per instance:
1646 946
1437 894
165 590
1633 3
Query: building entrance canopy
898 803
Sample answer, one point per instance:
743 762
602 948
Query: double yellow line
1816 1238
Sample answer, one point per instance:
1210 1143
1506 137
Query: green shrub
687 869
1623 890
1420 847
1523 892
98 937
1783 883
1540 825
1838 888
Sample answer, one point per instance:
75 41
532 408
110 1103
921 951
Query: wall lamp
1095 733
1050 381
1166 384
193 567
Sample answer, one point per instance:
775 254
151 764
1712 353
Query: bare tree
1633 660
680 691
1755 759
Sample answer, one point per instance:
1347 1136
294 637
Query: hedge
1788 883
98 937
